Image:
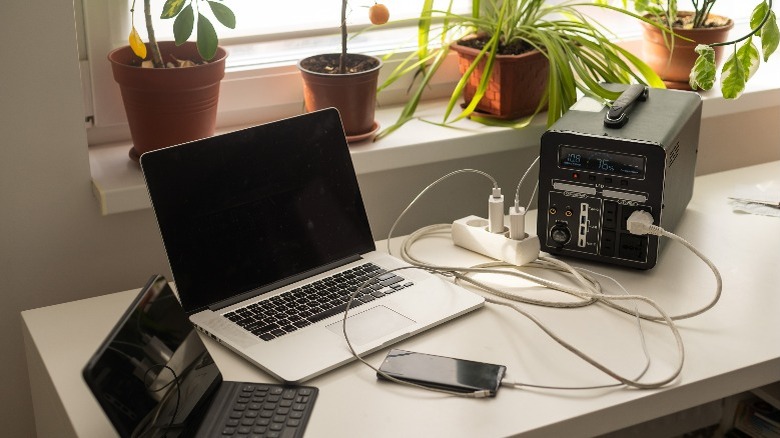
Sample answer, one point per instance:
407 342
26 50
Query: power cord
587 290
374 279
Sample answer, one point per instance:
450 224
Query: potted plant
688 51
569 49
170 89
345 81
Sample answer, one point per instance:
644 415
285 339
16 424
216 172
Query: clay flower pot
168 106
516 85
674 66
353 93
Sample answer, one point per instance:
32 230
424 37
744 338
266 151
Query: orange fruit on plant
378 13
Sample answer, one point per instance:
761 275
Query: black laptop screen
153 374
253 208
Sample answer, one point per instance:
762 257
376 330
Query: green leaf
172 8
182 26
223 14
207 38
703 72
749 57
770 36
733 77
758 15
411 105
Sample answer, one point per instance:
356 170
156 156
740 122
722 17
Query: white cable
591 290
353 295
520 183
588 290
641 222
425 190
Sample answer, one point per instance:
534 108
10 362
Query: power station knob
560 234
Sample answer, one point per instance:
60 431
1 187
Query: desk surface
732 348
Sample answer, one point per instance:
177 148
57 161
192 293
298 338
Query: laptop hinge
281 283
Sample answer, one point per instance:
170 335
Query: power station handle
617 116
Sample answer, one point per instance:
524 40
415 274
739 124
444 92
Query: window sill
119 187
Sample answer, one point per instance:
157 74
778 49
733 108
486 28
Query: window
262 81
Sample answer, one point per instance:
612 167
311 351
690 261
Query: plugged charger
640 223
472 233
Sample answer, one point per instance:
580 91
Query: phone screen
442 372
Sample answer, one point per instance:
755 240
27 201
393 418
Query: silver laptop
266 235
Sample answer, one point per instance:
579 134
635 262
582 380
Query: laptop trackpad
371 324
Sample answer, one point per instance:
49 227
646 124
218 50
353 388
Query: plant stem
343 57
701 14
155 49
753 32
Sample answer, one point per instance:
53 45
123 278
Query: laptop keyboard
295 309
270 411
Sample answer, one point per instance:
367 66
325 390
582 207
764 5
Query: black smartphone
442 372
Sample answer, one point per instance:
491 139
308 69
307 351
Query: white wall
54 245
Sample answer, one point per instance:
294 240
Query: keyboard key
299 307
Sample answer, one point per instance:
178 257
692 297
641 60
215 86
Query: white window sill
119 186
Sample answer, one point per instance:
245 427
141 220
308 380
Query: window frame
249 95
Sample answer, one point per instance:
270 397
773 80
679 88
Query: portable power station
599 164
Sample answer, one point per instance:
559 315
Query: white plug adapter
496 211
640 222
471 232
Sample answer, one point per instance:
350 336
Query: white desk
732 348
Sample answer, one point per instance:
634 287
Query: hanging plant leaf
137 44
172 8
703 72
749 57
733 77
770 35
182 26
207 38
223 14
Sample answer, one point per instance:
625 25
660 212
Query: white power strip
471 232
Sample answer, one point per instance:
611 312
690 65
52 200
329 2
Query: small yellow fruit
378 14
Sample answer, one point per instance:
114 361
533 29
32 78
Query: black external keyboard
316 301
270 411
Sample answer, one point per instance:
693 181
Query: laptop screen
153 370
252 208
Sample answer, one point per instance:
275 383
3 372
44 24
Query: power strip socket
471 232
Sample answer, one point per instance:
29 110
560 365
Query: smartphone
442 372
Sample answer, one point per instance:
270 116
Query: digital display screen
632 166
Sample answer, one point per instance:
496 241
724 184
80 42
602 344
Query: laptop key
328 313
392 280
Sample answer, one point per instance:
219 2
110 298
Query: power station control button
560 235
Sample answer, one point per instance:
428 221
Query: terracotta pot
516 85
168 106
352 94
674 66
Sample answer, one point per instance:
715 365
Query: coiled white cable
587 289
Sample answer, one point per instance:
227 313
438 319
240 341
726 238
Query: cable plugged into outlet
496 211
517 223
472 233
640 223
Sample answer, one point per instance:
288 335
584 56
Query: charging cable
375 279
640 223
430 186
587 289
